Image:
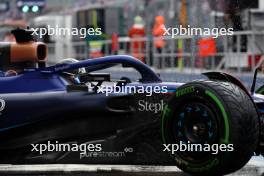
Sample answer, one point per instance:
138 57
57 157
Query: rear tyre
218 115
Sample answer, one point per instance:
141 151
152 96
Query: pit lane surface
255 167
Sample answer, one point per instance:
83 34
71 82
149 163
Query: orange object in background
24 52
137 31
158 31
96 54
31 51
114 46
207 47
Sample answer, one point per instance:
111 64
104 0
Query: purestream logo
107 154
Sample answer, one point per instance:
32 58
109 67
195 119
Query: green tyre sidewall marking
224 114
166 114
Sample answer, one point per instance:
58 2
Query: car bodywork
59 110
40 105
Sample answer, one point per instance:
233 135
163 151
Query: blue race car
71 112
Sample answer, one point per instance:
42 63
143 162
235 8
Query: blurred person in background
233 12
114 45
137 31
157 32
9 37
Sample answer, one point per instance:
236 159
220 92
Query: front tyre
219 118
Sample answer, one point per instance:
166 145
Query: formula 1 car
48 113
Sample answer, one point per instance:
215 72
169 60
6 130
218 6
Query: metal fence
241 52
